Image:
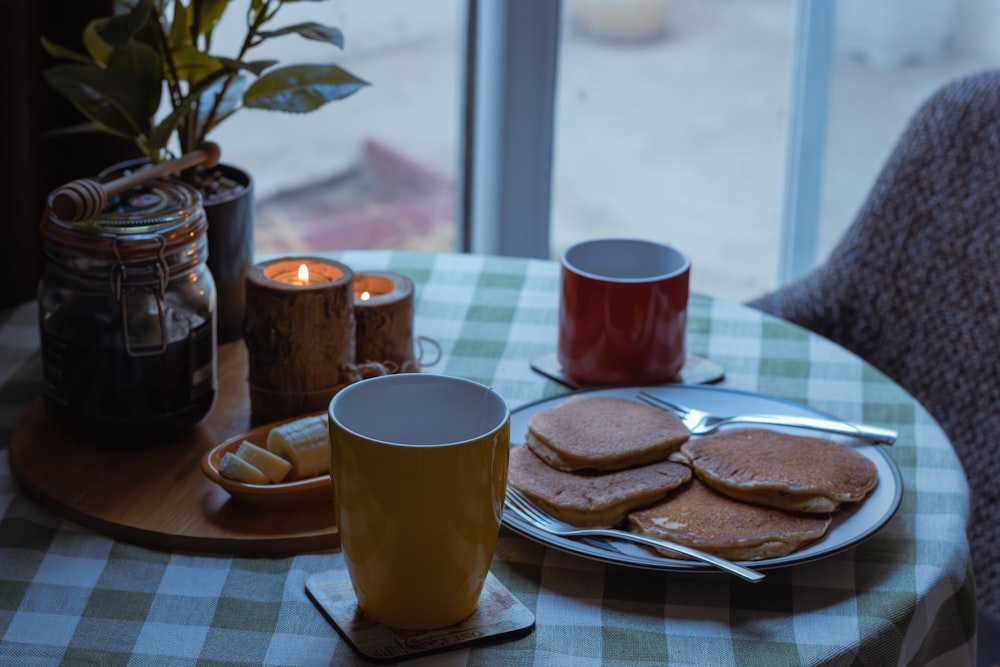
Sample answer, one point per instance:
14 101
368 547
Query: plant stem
173 79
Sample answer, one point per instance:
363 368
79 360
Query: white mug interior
419 409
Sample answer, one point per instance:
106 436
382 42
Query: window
888 58
377 169
677 120
668 119
672 124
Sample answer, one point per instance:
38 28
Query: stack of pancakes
744 494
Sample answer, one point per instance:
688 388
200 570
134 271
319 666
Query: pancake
604 433
697 516
592 500
791 472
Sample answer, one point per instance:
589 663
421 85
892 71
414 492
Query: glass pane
672 124
673 118
376 169
890 57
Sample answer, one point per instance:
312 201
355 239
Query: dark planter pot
230 243
230 249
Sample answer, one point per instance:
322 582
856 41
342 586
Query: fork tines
656 401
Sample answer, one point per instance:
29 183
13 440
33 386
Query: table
905 596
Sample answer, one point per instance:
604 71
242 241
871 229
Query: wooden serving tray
157 496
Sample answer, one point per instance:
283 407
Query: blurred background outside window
377 169
671 122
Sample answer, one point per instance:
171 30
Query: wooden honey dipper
84 198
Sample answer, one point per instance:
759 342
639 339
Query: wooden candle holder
384 332
300 338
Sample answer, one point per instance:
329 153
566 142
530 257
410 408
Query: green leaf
208 15
257 67
162 131
57 51
107 97
98 49
311 30
179 37
232 96
102 35
195 66
117 82
152 35
144 65
301 88
82 128
183 113
118 30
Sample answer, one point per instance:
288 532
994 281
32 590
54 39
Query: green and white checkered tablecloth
905 596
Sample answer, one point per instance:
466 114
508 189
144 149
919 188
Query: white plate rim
848 529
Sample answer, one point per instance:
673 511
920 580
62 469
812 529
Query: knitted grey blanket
914 289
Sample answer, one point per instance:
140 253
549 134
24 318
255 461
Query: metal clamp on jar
127 315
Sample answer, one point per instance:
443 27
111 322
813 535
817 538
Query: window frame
512 49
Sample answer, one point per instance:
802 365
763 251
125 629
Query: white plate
851 525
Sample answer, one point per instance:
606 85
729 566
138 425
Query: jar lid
166 208
148 207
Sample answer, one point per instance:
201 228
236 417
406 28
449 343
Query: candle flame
304 274
365 295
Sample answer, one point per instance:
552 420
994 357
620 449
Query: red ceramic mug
623 312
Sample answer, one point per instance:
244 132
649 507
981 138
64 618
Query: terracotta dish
285 494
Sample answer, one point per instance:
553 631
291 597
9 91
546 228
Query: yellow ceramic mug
419 467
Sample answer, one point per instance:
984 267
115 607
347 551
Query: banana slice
272 465
236 468
305 443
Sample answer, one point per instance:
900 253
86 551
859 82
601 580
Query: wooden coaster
498 614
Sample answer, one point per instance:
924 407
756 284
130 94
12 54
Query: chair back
913 288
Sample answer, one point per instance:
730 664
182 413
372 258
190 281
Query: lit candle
299 332
383 309
302 276
372 285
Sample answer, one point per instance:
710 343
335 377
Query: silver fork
518 503
700 422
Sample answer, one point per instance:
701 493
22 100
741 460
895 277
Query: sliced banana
236 468
305 443
272 465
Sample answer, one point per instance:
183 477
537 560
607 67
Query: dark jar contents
127 317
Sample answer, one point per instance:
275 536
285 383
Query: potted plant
150 48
